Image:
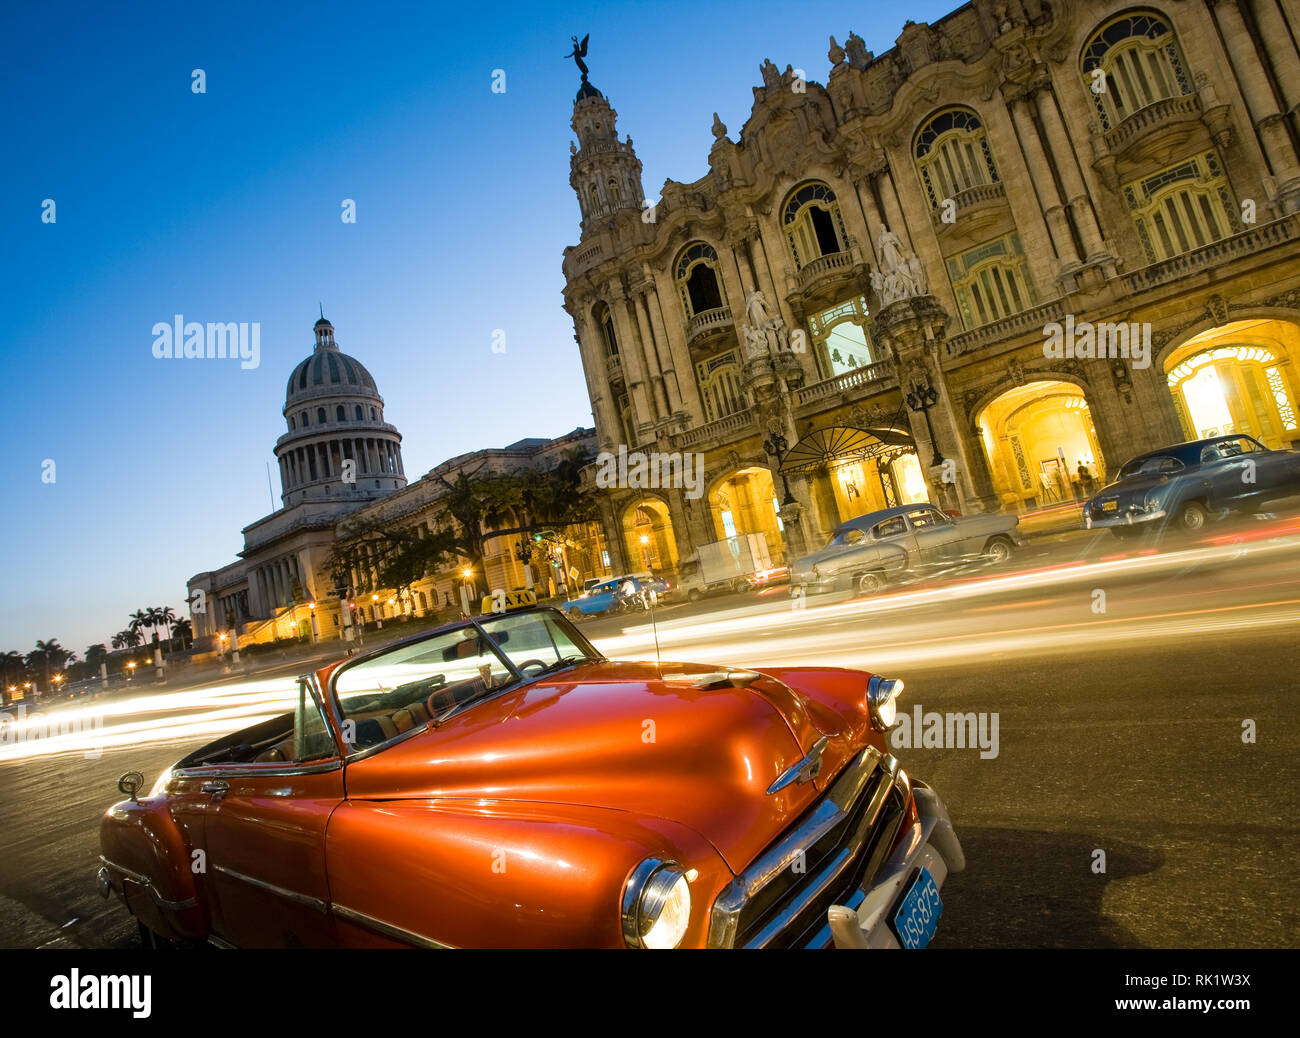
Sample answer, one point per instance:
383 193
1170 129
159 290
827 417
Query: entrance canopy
842 443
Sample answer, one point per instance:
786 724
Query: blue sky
225 206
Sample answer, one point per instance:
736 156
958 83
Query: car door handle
217 786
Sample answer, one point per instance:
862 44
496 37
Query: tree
13 669
183 631
139 622
164 617
127 639
49 655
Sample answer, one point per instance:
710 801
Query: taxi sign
500 601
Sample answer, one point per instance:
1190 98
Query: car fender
501 873
148 860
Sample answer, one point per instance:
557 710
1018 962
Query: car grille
836 849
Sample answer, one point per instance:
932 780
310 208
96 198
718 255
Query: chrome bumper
931 844
1121 519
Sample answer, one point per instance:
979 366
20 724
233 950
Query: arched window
340 415
303 418
291 425
991 282
615 193
840 333
605 322
813 224
1131 62
360 416
1183 207
320 416
698 280
952 155
719 381
373 416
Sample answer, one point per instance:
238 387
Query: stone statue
580 52
856 48
764 334
719 127
771 75
901 275
836 53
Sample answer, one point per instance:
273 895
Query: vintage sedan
1184 485
865 552
498 782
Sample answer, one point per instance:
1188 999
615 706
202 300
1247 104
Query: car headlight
1155 499
882 702
160 786
656 905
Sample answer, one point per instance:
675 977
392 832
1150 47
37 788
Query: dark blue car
1187 483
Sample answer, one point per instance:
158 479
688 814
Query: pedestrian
1086 483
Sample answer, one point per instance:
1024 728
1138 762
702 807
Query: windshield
382 697
1155 464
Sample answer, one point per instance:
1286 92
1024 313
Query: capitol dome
338 446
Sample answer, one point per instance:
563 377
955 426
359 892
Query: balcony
1168 112
613 366
733 426
833 267
880 372
969 202
708 323
1208 257
1007 328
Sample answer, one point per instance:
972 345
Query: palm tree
165 616
48 654
12 667
139 621
127 639
183 631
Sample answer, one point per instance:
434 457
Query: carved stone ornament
901 275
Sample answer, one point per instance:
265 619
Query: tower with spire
604 172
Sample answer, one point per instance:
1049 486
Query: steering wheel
541 665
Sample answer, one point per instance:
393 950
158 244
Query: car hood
616 735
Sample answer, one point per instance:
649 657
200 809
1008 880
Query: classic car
1184 485
865 552
615 596
498 782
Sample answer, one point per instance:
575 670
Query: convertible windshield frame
473 623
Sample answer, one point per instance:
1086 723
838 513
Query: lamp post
315 635
778 447
923 397
374 608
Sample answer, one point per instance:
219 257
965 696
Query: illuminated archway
746 501
1239 377
1041 444
648 536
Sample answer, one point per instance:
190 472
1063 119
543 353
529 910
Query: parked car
1186 484
865 552
487 784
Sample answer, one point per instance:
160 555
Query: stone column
671 320
596 371
672 379
1261 104
637 303
871 214
1280 47
1041 172
1066 163
634 370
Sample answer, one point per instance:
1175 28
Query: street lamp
923 397
778 447
374 608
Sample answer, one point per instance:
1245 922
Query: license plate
917 915
1109 506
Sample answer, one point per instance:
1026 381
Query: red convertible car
498 783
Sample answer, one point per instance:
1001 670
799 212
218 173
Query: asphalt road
1141 790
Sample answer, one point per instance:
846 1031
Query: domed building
338 447
337 455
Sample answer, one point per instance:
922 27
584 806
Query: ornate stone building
856 305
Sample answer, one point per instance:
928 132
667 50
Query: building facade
1025 244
